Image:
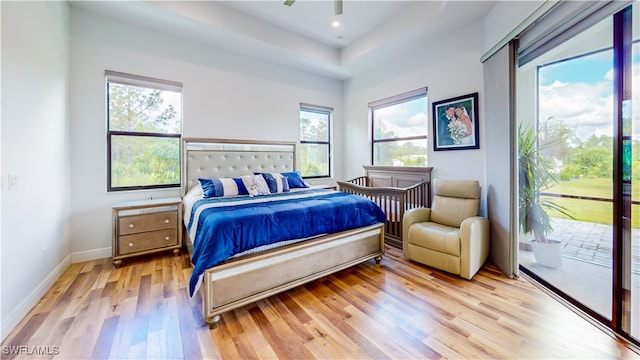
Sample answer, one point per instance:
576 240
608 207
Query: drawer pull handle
166 238
130 244
131 226
166 221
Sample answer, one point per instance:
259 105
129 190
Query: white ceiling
301 36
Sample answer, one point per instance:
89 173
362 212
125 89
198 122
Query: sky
580 91
405 119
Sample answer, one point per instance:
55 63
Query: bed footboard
393 201
244 280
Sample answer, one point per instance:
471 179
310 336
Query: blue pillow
295 179
277 182
216 187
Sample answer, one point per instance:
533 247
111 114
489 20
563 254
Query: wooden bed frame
242 280
395 189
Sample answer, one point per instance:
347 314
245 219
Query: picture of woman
462 115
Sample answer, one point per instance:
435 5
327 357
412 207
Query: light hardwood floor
397 310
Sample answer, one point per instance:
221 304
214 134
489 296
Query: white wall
224 96
457 73
35 147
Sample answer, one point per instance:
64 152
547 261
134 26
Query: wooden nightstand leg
176 252
117 263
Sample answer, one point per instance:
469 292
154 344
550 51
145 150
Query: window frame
395 100
144 82
324 111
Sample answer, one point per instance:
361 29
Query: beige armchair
450 235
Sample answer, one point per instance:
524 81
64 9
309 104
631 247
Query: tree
314 130
137 109
557 139
594 156
314 156
400 151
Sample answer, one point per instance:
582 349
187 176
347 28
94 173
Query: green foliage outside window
314 143
144 126
585 167
576 158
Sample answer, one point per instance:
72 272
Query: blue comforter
223 227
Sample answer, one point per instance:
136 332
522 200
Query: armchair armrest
415 215
474 245
412 216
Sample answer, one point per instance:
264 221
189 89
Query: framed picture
455 123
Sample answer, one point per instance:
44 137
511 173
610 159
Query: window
399 136
144 126
315 141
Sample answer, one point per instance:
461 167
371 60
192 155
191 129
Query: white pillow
277 182
256 185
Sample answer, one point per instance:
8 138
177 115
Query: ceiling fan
337 5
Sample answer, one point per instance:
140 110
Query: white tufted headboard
218 158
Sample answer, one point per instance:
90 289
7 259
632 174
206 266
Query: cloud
587 106
419 119
400 119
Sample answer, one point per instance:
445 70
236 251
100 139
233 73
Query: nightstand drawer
147 222
147 241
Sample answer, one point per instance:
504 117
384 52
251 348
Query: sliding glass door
631 114
581 98
573 85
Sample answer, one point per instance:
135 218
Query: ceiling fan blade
289 2
337 5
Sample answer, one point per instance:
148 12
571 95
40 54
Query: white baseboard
14 318
90 255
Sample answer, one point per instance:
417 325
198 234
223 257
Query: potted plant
534 177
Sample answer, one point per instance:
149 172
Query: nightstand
146 226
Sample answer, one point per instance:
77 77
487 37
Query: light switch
13 181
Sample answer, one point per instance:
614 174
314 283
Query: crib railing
393 201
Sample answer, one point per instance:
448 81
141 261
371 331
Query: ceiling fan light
335 23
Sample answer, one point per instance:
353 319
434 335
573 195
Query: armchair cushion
438 237
454 201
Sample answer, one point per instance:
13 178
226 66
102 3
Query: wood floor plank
397 309
283 340
82 336
377 333
240 323
102 350
327 323
122 339
222 336
295 309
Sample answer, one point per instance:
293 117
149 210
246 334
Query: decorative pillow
216 187
295 179
277 182
256 185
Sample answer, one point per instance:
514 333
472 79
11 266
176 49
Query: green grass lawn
589 210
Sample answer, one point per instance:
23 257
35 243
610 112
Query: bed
395 189
225 283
